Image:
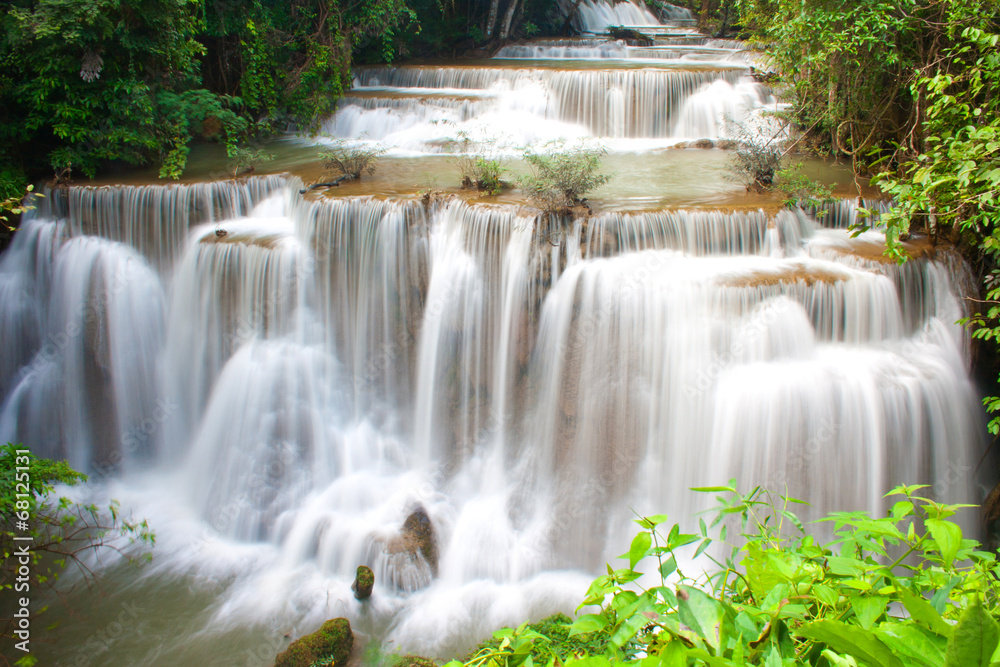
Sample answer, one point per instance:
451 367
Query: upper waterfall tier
423 108
596 16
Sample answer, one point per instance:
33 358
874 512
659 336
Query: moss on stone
414 661
333 641
364 581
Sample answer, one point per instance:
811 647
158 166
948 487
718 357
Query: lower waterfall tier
463 399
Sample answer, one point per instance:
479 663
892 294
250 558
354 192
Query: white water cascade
291 391
285 385
680 87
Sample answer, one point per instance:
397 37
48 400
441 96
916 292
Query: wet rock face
417 538
331 644
364 580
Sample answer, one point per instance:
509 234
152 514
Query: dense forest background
85 84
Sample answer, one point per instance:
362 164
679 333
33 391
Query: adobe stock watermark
22 550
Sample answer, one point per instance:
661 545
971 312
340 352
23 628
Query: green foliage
953 186
61 530
81 78
552 639
561 175
90 84
904 590
17 205
381 24
849 67
801 190
351 160
756 160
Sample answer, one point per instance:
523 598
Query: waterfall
295 378
530 106
87 388
680 86
595 16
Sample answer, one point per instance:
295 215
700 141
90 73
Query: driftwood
332 184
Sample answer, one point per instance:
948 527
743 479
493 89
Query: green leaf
852 640
640 545
922 612
940 598
701 547
674 655
948 537
588 623
839 661
868 609
589 661
917 645
713 489
702 613
975 638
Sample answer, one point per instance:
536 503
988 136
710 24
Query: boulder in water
332 644
364 580
417 538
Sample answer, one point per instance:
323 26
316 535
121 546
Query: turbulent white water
290 392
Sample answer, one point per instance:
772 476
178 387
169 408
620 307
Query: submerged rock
364 580
330 645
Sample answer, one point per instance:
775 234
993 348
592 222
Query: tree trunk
508 17
491 22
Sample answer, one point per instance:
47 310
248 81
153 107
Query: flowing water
278 381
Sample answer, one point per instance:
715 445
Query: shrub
244 161
904 590
351 161
560 177
756 160
799 189
480 164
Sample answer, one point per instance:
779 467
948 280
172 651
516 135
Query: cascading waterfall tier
679 87
297 380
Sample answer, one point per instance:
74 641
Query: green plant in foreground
904 590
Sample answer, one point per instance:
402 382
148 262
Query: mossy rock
364 581
414 661
332 643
